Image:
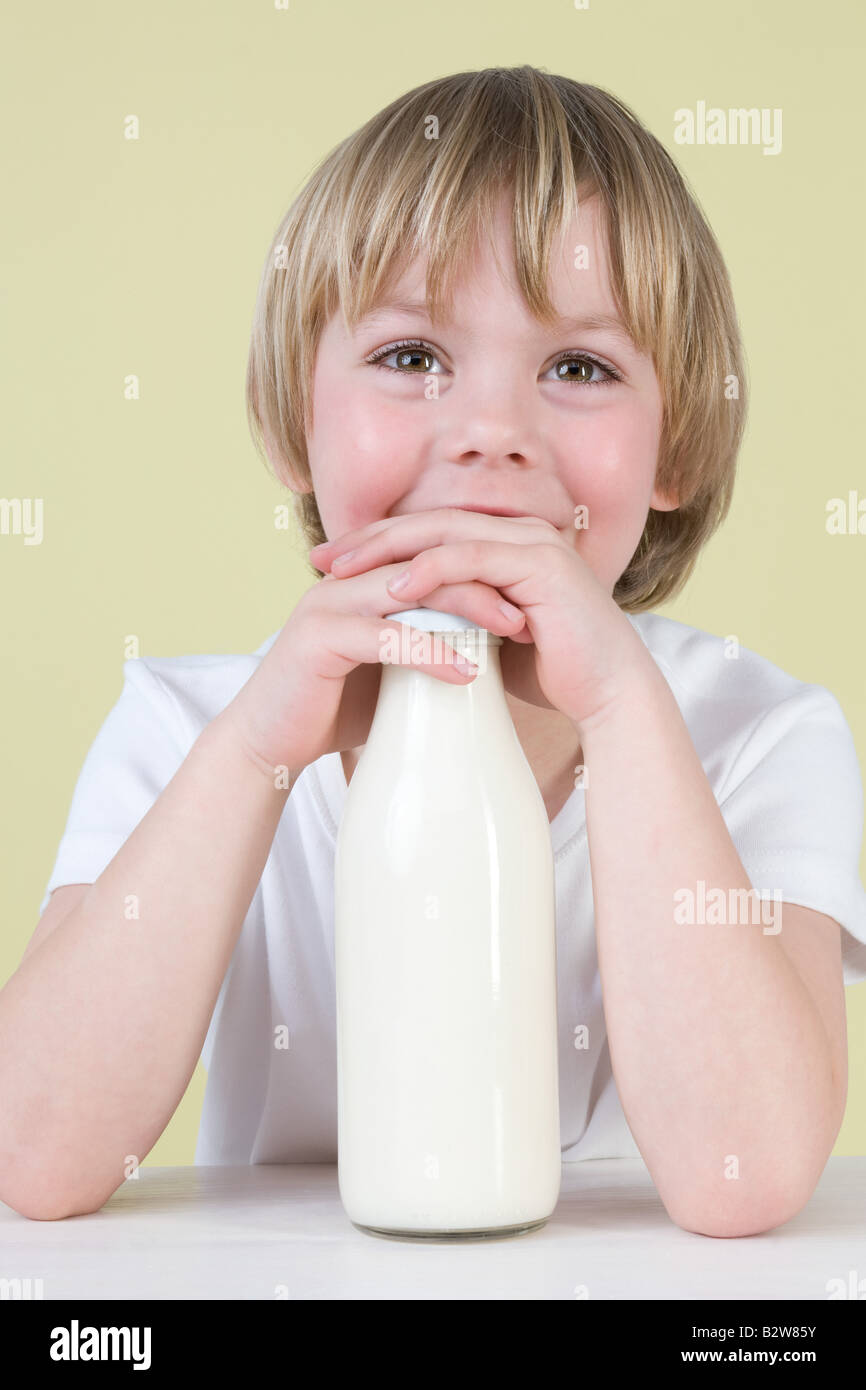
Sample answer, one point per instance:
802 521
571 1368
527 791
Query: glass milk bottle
445 956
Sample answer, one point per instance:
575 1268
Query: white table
271 1231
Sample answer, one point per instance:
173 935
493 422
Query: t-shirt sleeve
133 757
793 804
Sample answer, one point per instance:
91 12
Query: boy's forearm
704 1021
102 1025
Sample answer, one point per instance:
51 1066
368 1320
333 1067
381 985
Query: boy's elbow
734 1219
46 1203
57 1211
53 1211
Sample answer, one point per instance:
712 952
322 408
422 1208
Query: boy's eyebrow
580 324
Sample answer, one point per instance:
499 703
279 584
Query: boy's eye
414 356
407 354
583 360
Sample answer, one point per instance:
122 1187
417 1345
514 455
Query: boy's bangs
433 204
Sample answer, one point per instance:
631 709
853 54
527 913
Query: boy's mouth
491 511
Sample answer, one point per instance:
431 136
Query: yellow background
143 257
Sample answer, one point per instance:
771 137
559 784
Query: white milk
445 953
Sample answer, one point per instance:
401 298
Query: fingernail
341 559
399 581
511 613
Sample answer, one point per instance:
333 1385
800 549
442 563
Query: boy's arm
103 1022
727 1042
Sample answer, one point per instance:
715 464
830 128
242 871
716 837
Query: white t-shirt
778 754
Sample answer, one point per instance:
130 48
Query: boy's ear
664 501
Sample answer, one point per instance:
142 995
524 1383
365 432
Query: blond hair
387 193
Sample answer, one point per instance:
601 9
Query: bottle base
497 1233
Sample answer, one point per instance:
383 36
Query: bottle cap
433 620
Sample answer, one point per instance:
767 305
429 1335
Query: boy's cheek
350 501
365 479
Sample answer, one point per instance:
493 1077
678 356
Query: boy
524 247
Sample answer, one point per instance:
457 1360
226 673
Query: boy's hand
315 690
578 651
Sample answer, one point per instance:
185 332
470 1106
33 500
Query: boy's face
504 429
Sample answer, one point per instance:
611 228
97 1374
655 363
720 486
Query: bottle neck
427 710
